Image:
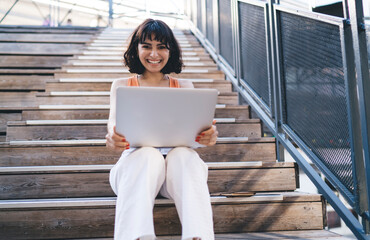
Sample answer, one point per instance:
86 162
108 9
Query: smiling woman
141 173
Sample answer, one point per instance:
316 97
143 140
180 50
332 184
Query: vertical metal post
58 17
276 107
204 18
216 28
110 20
355 9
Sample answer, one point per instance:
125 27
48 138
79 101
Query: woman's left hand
209 136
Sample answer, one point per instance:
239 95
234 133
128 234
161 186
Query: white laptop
164 117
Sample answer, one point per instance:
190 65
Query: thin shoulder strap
133 82
174 83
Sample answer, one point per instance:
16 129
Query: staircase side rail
275 111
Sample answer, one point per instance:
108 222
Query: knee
148 156
185 158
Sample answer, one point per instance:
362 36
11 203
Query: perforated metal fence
315 91
252 34
225 31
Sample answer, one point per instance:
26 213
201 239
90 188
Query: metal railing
306 75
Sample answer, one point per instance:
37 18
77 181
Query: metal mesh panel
199 15
209 30
226 39
253 49
315 91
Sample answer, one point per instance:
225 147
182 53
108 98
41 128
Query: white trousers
182 176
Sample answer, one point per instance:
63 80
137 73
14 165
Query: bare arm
115 141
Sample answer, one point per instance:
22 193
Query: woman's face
153 55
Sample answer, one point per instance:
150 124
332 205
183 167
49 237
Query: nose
154 53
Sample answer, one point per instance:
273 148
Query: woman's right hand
116 142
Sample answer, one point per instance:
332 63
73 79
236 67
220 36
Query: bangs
153 31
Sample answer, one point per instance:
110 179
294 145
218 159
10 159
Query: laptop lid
164 117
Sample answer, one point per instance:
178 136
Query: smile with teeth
154 62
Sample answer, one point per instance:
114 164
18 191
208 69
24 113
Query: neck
153 78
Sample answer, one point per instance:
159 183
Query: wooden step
93 180
89 97
237 112
300 234
97 130
90 84
24 82
94 217
217 75
74 152
28 100
119 58
119 66
110 64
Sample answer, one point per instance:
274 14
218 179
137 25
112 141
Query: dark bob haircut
161 33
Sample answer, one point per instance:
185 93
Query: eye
162 47
145 46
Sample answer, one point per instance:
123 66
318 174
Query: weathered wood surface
40 49
89 155
75 184
282 235
98 221
248 128
210 67
24 82
5 117
220 85
28 100
14 61
217 75
17 100
49 30
223 98
46 37
25 71
237 112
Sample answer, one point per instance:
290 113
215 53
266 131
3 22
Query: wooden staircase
54 165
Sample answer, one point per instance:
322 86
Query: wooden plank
282 235
45 37
5 117
14 61
40 48
215 75
56 132
100 100
95 183
85 154
24 82
18 100
98 221
49 30
21 71
239 113
222 86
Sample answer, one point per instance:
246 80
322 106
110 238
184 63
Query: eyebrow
151 44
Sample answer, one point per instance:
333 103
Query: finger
209 131
118 134
214 122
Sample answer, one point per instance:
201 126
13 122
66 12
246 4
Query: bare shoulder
119 82
186 84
